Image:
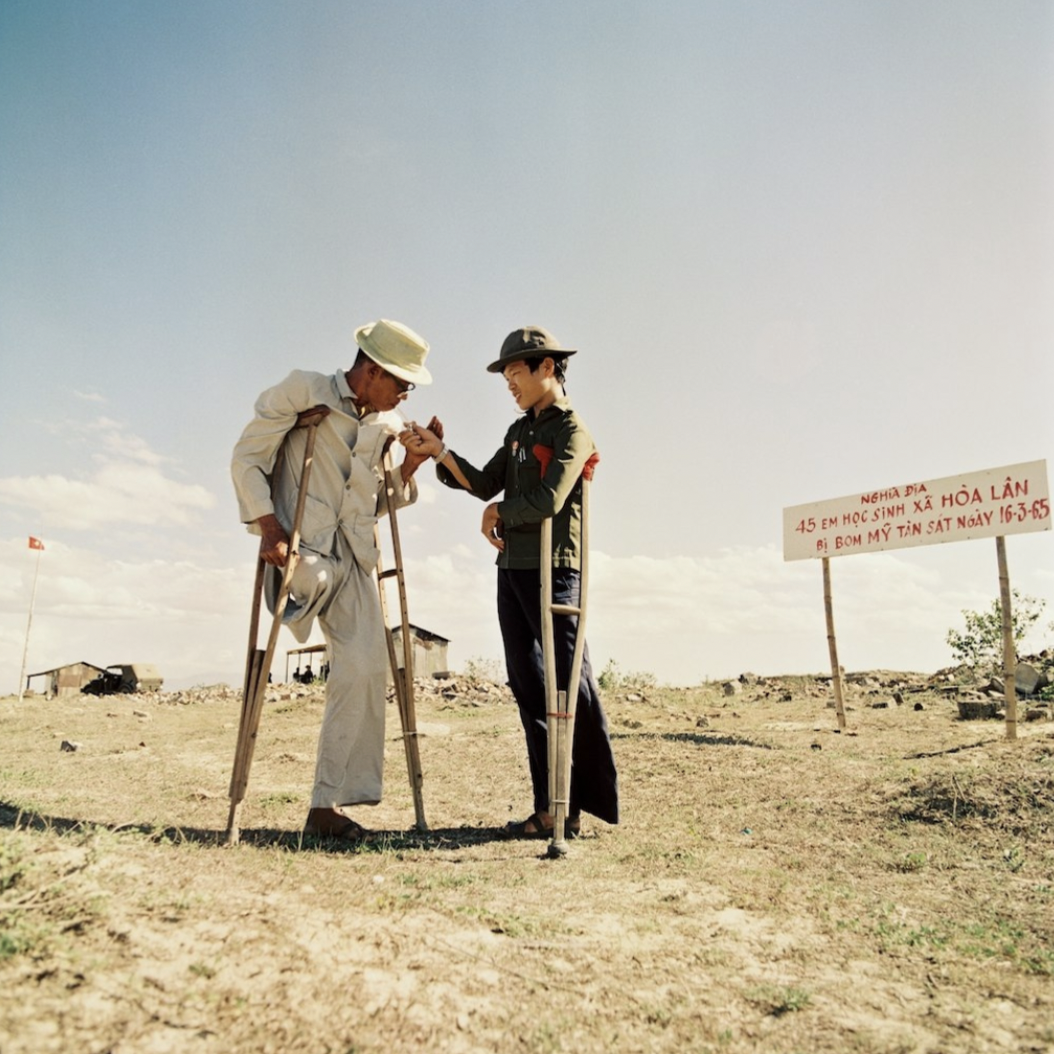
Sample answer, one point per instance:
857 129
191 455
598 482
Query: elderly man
333 580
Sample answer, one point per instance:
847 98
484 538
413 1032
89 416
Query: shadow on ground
445 838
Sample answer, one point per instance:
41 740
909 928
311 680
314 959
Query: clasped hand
423 442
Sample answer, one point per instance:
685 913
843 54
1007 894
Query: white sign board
999 501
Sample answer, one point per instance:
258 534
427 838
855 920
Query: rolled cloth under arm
544 454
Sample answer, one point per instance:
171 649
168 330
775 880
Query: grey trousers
350 762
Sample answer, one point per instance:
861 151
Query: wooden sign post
832 646
1009 650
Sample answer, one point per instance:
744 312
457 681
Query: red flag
35 543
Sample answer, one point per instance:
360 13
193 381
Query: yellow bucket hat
397 348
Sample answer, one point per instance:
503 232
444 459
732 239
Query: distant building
429 651
312 662
429 655
129 677
66 680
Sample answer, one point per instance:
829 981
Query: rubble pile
444 691
977 695
464 691
216 693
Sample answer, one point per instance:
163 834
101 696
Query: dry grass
774 886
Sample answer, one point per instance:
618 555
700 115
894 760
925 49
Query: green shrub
981 644
611 677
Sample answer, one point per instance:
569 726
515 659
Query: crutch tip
557 850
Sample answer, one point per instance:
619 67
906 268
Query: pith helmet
526 343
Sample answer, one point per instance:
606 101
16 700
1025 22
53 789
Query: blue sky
805 249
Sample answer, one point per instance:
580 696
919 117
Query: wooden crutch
561 706
403 679
258 662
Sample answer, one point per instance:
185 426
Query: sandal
532 827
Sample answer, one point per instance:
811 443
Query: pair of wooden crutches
562 705
258 661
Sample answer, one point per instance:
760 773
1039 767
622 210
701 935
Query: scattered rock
1027 679
977 709
731 687
69 746
863 680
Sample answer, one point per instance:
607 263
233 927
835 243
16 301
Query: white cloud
681 619
124 494
189 619
687 618
118 443
127 486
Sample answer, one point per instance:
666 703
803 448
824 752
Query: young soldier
539 467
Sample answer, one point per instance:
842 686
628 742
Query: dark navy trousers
594 780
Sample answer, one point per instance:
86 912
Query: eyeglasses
401 386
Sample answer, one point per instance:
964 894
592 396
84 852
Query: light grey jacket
345 487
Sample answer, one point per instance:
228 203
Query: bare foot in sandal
537 825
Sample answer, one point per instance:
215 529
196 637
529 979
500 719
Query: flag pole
29 624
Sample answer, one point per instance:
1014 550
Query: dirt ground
774 886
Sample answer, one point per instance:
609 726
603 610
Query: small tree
612 677
478 669
982 642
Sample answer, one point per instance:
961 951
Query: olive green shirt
531 496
